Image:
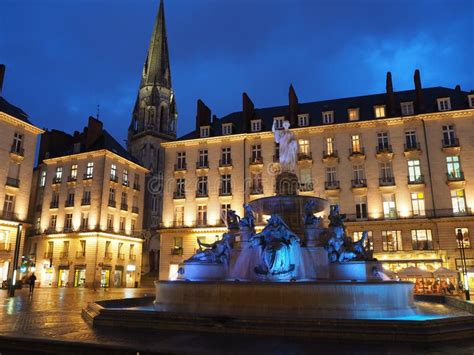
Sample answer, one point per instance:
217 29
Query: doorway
79 277
105 278
63 280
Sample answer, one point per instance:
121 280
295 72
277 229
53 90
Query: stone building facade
18 138
87 211
399 164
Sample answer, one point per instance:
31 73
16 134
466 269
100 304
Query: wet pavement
51 322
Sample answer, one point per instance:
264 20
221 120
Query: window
470 99
89 170
202 186
58 174
110 222
111 196
389 206
355 143
204 131
407 108
70 199
226 157
9 205
179 216
256 125
369 242
43 178
225 207
454 167
392 240
306 180
113 172
201 215
125 181
178 242
458 201
122 224
123 200
66 247
382 141
226 129
181 160
54 200
304 147
86 197
329 146
353 114
203 158
83 247
386 172
361 207
328 117
449 136
131 251
418 203
53 221
410 139
180 186
278 121
256 153
444 104
303 120
84 220
17 146
465 240
136 181
421 239
226 187
379 111
414 171
358 173
257 187
133 223
68 222
331 174
73 174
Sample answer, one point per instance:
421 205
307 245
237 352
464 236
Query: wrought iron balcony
359 183
202 193
202 164
85 201
124 207
384 148
112 203
56 180
412 146
54 204
455 176
87 176
451 142
136 186
69 203
13 182
305 156
387 181
135 209
114 178
180 166
225 162
178 195
414 180
17 150
306 186
71 178
330 154
356 151
64 254
126 183
332 185
256 160
225 192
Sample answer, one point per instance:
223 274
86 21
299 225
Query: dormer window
279 122
303 120
226 129
444 104
407 108
204 131
328 117
353 114
256 125
470 100
379 111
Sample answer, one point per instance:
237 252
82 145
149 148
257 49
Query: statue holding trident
288 147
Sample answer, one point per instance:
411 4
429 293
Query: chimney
203 115
2 76
390 95
418 92
94 130
247 112
293 107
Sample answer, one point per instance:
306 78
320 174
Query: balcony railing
384 148
329 154
225 192
56 180
112 203
85 202
17 150
449 143
121 256
331 185
387 181
305 156
10 215
306 186
414 180
54 204
107 255
71 178
48 255
124 207
202 164
359 183
439 213
80 254
5 246
13 182
178 195
458 176
180 166
136 186
64 254
256 160
135 209
114 178
69 203
126 183
412 146
201 193
225 162
356 151
132 257
257 190
177 251
87 176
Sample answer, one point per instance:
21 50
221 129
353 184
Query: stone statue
231 220
217 252
288 147
276 242
336 219
249 219
309 217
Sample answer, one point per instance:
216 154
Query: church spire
156 70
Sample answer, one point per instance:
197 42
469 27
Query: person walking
31 281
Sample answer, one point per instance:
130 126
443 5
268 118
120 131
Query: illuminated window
328 117
89 170
278 121
392 240
355 143
465 240
369 242
181 160
113 172
125 181
453 164
226 128
201 215
204 131
444 104
111 196
329 146
421 239
68 222
43 178
304 146
58 174
458 201
361 207
358 173
256 125
407 108
179 216
414 171
9 204
353 114
303 120
389 206
84 220
418 203
379 111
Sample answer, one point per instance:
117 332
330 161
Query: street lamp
11 291
460 239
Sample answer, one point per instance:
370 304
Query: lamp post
11 291
460 239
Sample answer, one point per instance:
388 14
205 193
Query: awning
412 271
445 272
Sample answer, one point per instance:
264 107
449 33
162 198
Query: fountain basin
199 271
287 300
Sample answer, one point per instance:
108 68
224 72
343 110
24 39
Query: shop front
130 278
105 276
80 276
47 275
118 276
397 261
63 276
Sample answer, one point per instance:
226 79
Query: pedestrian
31 281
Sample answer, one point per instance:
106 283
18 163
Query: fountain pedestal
355 271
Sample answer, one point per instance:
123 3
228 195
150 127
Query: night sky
64 57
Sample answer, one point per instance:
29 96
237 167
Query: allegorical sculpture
277 249
231 220
288 147
248 221
217 252
309 217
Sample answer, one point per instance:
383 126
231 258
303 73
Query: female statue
288 147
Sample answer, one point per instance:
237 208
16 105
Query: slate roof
12 110
340 106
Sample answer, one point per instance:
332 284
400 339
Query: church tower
153 121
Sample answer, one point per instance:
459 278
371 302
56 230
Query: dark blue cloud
65 57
